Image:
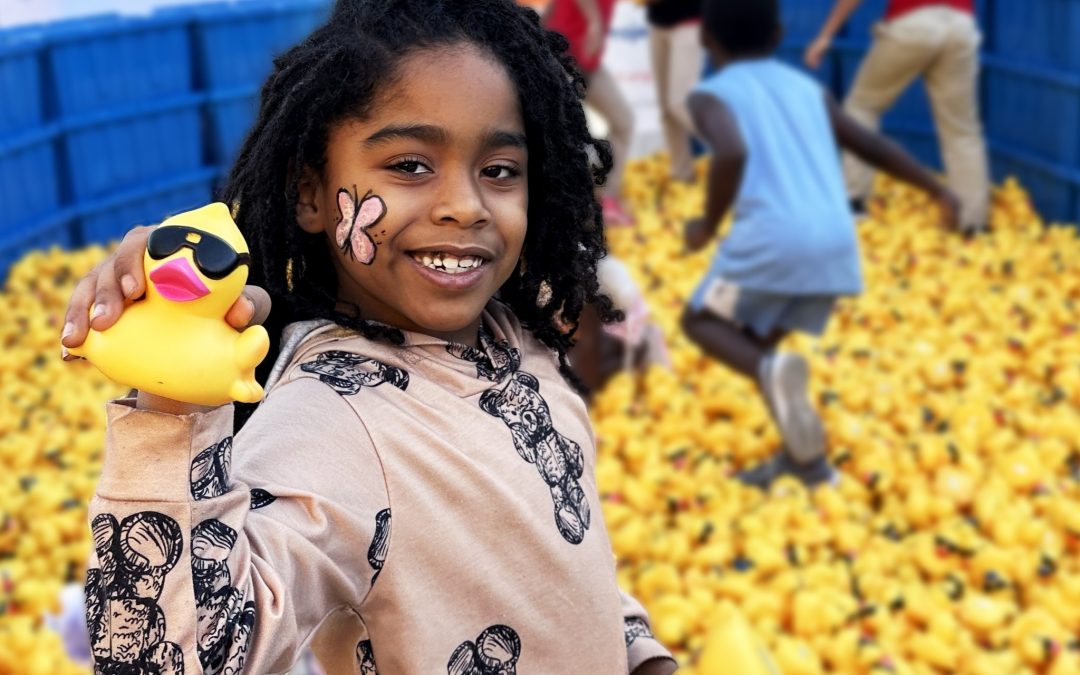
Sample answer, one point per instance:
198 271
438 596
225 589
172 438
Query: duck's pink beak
176 281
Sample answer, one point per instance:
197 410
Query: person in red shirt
585 23
937 40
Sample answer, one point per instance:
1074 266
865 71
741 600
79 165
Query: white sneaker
784 378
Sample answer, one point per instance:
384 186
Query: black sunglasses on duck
214 257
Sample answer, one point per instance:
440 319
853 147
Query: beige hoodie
421 509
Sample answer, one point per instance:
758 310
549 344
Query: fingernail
99 310
250 306
127 285
64 353
69 329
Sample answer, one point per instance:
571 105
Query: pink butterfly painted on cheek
356 218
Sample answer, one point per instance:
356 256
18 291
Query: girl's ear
309 215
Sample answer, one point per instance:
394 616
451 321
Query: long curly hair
337 72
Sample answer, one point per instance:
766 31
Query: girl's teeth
449 264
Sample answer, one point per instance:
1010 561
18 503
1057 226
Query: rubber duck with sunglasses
175 342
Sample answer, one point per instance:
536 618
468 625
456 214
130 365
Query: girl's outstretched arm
223 555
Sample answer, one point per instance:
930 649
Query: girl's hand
815 52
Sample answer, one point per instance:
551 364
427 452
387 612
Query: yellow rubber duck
175 342
732 647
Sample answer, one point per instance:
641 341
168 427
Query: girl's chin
459 327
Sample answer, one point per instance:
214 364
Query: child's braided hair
337 72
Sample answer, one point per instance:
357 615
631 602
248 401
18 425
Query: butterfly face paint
356 216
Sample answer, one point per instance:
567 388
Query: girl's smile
424 201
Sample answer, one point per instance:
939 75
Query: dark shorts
763 313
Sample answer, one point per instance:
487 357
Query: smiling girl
415 494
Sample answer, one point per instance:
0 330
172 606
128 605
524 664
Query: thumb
250 309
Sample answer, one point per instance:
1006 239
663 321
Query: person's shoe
784 378
614 215
812 474
858 207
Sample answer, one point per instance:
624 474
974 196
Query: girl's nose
460 202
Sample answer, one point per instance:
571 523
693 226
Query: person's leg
603 96
726 342
952 84
901 50
685 61
659 53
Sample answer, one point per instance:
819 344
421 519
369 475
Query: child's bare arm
883 154
837 16
717 126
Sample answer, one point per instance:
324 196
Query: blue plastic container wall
237 42
231 114
108 61
21 94
117 151
1038 32
110 219
1035 109
29 186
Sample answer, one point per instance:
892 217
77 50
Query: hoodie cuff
645 648
148 454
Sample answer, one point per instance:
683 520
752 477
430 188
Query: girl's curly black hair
337 72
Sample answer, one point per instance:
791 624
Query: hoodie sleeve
641 646
222 555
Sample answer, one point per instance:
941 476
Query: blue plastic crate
55 230
1033 108
802 19
229 117
21 93
118 150
1054 188
1043 32
29 185
237 42
107 61
110 218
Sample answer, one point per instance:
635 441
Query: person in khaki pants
940 42
677 62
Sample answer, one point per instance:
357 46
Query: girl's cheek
356 233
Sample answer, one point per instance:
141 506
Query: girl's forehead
458 70
454 86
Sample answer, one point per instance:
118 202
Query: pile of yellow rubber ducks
51 431
951 395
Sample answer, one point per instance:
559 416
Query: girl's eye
500 172
411 166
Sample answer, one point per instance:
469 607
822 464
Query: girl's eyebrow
438 136
420 132
502 139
